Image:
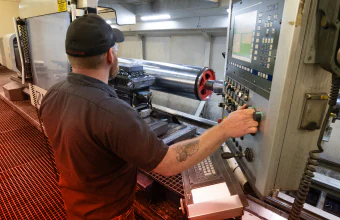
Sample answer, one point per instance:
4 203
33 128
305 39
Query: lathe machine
276 59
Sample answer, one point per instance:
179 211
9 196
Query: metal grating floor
28 187
166 211
175 183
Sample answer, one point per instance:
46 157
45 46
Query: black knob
242 138
236 144
233 139
249 155
257 116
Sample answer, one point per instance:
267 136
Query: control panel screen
244 33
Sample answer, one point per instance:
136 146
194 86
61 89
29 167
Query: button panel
263 75
237 95
268 37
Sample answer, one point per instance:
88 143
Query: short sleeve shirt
98 142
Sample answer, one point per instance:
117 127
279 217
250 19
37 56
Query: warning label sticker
62 5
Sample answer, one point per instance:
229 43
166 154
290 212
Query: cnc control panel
253 46
254 38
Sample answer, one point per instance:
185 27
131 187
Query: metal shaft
183 80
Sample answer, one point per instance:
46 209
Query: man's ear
110 56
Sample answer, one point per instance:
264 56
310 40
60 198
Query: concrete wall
8 10
180 49
130 48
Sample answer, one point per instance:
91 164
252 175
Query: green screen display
244 33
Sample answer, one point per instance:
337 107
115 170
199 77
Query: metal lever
215 86
228 155
248 154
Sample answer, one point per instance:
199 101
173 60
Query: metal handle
228 155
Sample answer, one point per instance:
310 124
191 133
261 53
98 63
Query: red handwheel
203 93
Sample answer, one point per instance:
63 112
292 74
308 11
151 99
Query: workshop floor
28 185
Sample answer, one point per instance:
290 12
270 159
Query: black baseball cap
90 35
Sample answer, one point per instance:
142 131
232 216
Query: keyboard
205 170
202 184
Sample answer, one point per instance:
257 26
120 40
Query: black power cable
312 161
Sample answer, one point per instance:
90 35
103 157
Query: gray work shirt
98 142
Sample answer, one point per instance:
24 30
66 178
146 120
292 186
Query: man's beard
114 68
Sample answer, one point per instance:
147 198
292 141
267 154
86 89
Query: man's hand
240 123
186 154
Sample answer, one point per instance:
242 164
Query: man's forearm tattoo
183 151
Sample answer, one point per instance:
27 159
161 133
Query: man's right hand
240 123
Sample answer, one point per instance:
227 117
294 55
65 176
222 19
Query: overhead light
155 17
108 21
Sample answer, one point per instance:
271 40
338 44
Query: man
99 141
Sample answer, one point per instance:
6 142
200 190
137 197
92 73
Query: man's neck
100 74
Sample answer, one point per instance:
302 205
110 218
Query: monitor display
244 34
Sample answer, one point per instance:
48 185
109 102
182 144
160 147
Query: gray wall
130 48
192 49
